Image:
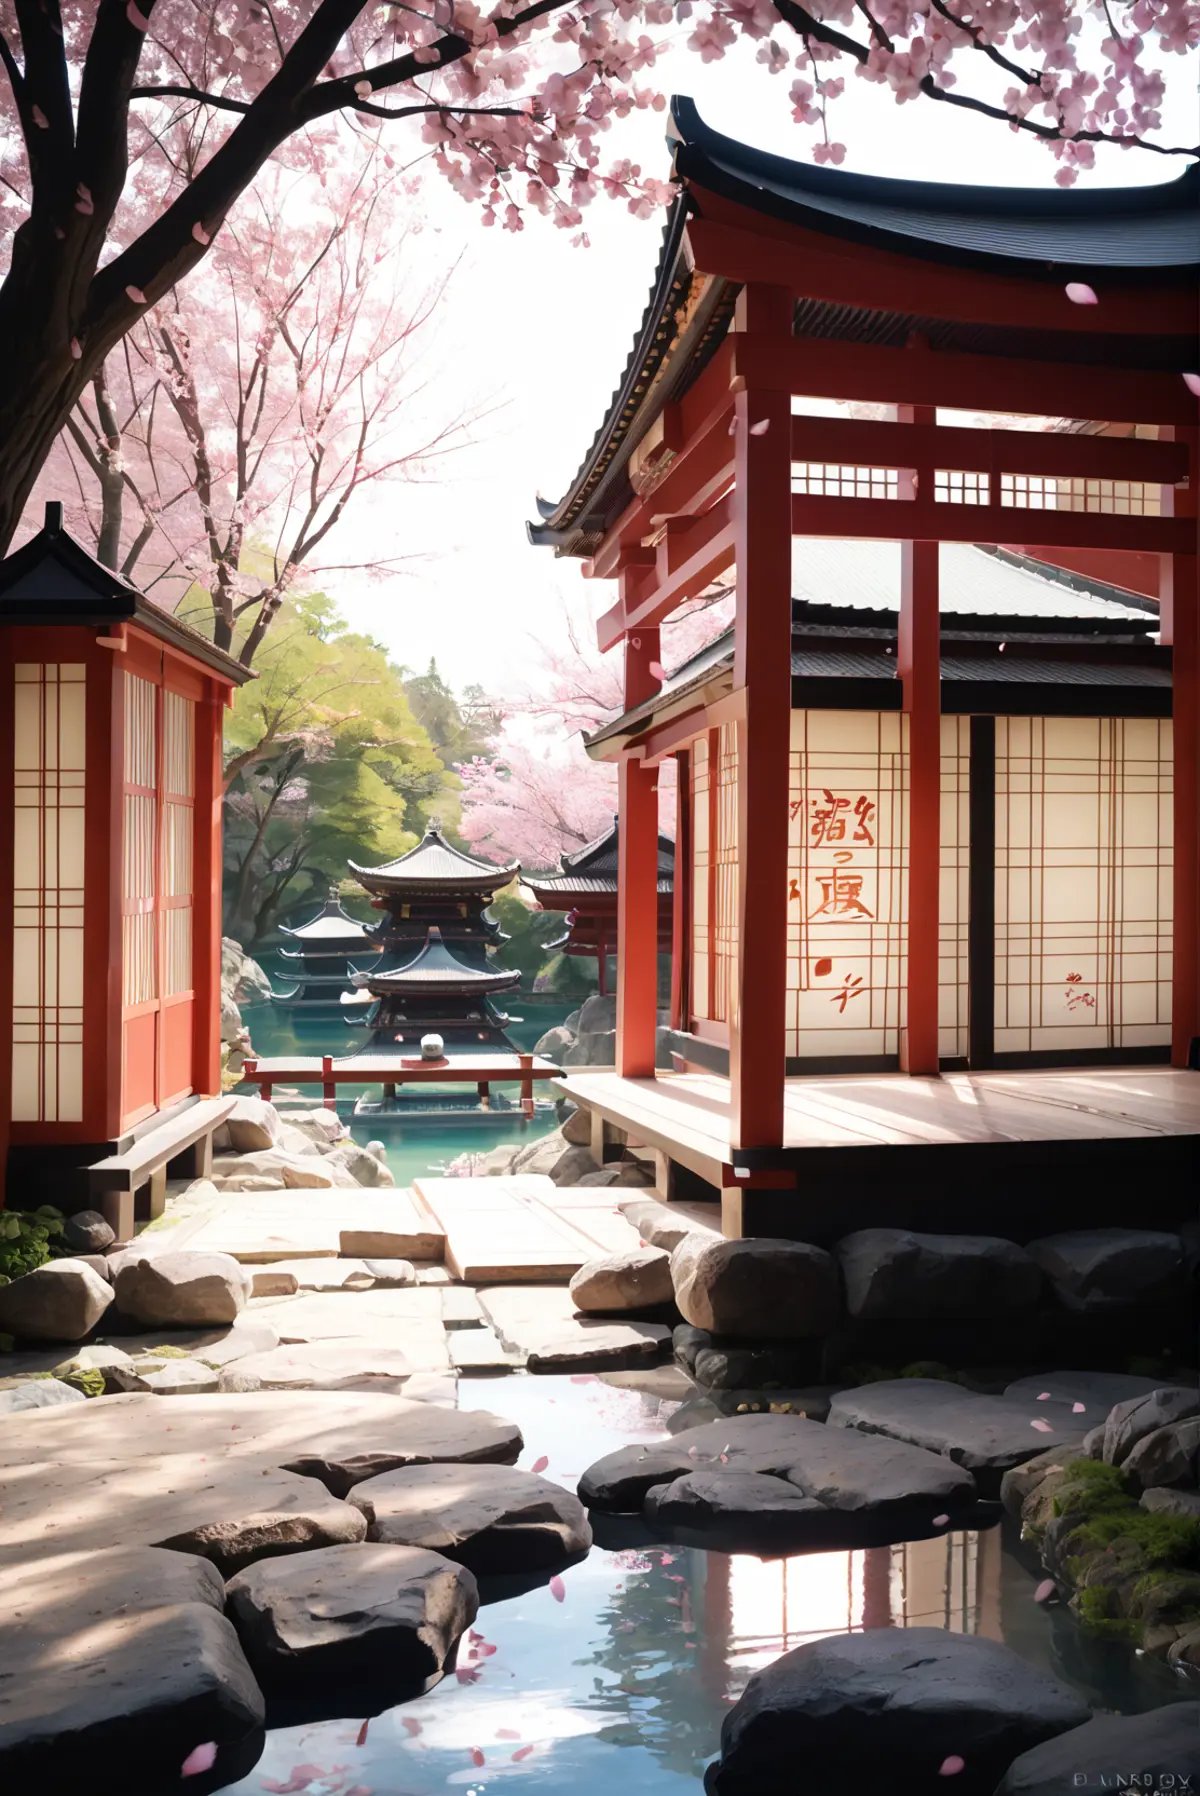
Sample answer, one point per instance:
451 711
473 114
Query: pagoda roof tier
309 956
434 865
437 970
1031 243
330 925
591 871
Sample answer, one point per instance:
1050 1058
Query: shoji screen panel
725 879
701 995
178 890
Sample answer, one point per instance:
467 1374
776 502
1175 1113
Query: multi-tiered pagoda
329 949
584 887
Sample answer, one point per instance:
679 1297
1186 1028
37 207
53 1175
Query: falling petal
507 1733
1045 1590
202 236
477 1757
941 1521
137 19
1192 383
522 1753
200 1758
361 1737
539 1465
136 295
667 1559
40 119
558 1590
1042 1427
657 671
486 1650
1078 1409
76 351
1080 294
1043 1396
950 1767
761 428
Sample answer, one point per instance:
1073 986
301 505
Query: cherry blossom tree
225 438
511 104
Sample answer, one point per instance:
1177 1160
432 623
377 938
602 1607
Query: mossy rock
88 1379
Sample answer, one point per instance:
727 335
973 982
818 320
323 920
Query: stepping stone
338 1437
766 1511
165 1377
122 1697
1160 1748
322 1366
368 1614
1130 1422
196 1289
638 1279
407 1319
53 1597
480 1350
211 1346
1097 1391
540 1322
986 1435
267 1281
665 1225
326 1274
460 1308
491 1519
908 1699
387 1226
757 1290
38 1393
811 1401
258 1228
852 1479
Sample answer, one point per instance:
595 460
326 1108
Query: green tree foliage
459 727
325 762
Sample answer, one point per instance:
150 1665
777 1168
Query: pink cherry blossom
1192 383
1045 1590
539 1465
1042 1427
199 1759
558 1590
952 1765
1080 294
136 295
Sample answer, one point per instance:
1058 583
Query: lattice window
725 883
957 486
179 797
139 884
954 901
836 480
1047 492
847 876
1083 883
49 715
701 1002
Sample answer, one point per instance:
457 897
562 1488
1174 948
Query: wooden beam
924 520
697 475
1179 590
918 663
821 368
1067 455
885 280
763 669
711 556
637 878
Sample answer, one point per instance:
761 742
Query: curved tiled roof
435 968
434 862
330 924
592 869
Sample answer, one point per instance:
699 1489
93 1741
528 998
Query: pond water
424 1145
616 1675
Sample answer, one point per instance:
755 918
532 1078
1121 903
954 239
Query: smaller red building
584 887
110 860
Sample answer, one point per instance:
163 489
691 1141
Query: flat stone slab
38 1393
212 1346
460 1307
392 1275
1097 1391
339 1437
739 1479
56 1596
325 1273
406 1319
986 1435
540 1322
368 1614
481 1350
492 1519
260 1227
908 1699
122 1696
1160 1746
322 1366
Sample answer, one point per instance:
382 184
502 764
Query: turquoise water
419 1147
616 1676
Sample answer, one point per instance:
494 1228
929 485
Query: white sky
538 332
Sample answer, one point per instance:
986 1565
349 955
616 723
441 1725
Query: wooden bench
180 1147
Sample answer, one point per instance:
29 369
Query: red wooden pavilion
990 888
583 887
110 850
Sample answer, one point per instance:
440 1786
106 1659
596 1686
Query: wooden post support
328 1086
206 885
681 942
762 511
1179 601
637 878
526 1061
918 662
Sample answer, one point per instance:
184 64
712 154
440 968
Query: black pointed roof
593 868
433 865
52 579
437 969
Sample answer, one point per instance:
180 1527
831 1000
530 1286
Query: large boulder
986 1435
577 1129
250 1125
898 1275
912 1700
41 1393
87 1232
323 1128
364 1614
535 1157
493 1519
658 1225
81 1708
572 1165
242 979
554 1044
1168 1458
637 1280
364 1168
756 1290
1157 1750
1096 1272
182 1289
274 1169
1130 1422
60 1301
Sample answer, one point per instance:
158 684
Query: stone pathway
541 1324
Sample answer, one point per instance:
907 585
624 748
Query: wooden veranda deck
1014 1153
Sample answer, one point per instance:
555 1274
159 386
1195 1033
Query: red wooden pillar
637 878
763 674
206 896
918 662
681 892
1179 590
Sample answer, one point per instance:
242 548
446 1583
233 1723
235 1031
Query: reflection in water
616 1678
